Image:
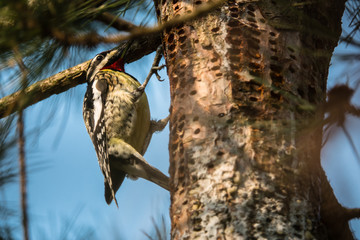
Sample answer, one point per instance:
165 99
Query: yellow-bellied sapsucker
117 118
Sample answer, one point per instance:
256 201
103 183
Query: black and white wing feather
93 113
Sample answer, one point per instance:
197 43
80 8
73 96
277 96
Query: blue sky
338 158
66 184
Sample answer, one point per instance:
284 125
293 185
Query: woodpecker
117 117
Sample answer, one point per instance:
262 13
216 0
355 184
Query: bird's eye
100 57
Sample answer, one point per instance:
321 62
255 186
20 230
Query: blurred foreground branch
93 39
21 142
22 166
115 22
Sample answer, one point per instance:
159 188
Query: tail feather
126 159
117 177
156 176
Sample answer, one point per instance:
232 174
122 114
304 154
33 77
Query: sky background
338 158
65 184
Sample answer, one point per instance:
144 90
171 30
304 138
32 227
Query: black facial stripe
89 106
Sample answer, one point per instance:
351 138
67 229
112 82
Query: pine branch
93 39
21 142
23 192
115 22
67 79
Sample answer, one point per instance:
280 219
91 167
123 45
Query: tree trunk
242 81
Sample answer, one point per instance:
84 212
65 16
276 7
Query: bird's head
104 60
112 59
118 65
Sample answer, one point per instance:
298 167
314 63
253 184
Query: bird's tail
156 176
117 177
127 159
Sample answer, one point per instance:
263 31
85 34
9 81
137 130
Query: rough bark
241 81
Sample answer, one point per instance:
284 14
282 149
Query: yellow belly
137 138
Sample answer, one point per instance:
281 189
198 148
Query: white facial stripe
91 74
97 103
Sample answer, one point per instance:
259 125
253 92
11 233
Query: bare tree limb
352 213
67 79
43 89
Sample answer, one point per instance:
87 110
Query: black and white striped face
95 96
94 102
100 61
96 64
